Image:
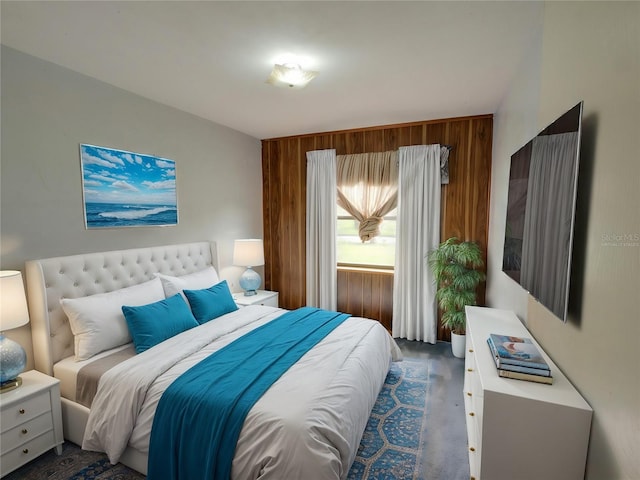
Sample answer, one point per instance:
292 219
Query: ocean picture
126 189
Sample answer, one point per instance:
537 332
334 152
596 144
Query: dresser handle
471 414
469 369
469 394
471 350
472 449
24 431
21 411
25 450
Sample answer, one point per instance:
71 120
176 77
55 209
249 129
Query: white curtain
368 188
548 215
418 231
322 275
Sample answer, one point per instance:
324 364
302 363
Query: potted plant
455 266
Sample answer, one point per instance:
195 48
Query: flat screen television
543 181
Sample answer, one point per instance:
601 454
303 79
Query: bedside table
263 297
31 420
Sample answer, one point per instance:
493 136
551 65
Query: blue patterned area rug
391 447
73 464
394 439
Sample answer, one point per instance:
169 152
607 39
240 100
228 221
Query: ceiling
380 62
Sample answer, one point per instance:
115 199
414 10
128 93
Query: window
378 252
367 198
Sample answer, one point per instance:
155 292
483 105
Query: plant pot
458 344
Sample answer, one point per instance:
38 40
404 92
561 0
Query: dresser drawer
474 468
473 395
25 410
473 411
26 452
469 369
471 377
27 431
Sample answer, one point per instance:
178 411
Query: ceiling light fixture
291 75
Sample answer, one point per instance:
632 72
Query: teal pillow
212 302
153 323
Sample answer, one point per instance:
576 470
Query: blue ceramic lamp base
13 359
250 282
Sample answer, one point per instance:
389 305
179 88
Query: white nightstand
31 420
263 297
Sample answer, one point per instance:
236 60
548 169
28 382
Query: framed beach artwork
126 189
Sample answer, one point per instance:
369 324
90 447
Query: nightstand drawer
269 302
25 410
263 297
26 431
26 452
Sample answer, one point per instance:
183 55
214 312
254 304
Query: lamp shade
13 302
248 252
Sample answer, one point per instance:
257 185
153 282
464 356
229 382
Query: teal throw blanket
199 417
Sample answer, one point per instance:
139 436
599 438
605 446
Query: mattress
79 380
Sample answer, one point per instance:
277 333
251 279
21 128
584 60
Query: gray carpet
444 455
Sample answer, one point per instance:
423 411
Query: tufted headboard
51 279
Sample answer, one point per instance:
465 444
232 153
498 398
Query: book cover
525 376
545 372
512 350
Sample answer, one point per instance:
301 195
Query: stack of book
518 357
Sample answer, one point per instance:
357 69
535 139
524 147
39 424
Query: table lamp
13 314
249 253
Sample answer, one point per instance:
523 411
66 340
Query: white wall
590 51
47 111
514 124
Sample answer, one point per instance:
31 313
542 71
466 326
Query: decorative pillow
211 302
97 321
192 281
154 323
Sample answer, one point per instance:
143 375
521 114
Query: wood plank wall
366 294
465 203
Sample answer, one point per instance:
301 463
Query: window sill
347 268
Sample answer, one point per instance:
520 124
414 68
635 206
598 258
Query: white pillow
192 281
97 321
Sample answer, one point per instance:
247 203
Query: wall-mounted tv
541 212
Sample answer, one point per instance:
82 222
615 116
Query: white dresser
31 420
519 429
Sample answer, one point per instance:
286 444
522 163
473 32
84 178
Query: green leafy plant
455 266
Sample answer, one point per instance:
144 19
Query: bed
308 423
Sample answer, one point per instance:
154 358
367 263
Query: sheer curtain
547 224
322 275
418 232
368 188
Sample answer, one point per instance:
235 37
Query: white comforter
307 425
